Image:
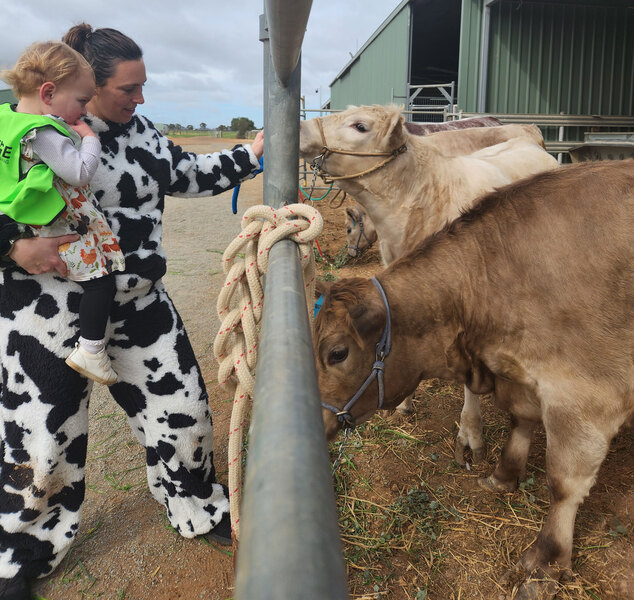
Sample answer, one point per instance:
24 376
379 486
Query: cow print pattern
44 403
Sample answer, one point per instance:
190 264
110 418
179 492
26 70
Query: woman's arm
197 174
35 255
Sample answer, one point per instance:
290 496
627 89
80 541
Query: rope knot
379 365
244 262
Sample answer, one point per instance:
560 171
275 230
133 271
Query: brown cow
530 293
418 190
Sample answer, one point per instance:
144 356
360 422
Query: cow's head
360 231
347 329
359 129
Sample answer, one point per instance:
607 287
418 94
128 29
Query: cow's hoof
459 450
491 484
537 589
522 585
405 412
478 454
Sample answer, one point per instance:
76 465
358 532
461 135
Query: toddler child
47 157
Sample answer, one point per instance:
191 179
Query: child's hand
82 129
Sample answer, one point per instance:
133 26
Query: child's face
69 100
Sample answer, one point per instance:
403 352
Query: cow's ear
350 213
395 130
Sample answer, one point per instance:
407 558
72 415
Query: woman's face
116 100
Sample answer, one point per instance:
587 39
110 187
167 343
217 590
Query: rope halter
382 350
318 161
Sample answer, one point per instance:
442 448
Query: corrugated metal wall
551 57
469 55
7 96
381 66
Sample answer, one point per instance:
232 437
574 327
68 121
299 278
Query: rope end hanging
239 305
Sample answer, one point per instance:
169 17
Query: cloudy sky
203 57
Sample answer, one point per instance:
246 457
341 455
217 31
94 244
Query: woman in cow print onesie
44 403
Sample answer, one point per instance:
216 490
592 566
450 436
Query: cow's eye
360 127
349 230
337 355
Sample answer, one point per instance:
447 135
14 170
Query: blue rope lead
236 190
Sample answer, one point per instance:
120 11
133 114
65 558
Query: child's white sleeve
75 166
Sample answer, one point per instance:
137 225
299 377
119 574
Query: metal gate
290 547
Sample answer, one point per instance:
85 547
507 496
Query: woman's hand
40 255
258 144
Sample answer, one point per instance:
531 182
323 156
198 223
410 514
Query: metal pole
290 547
287 24
289 543
281 126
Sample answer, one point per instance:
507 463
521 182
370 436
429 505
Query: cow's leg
511 467
470 433
575 450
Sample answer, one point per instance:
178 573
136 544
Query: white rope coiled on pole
245 261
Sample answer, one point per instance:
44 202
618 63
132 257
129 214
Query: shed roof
381 27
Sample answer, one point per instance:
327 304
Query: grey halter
382 350
362 234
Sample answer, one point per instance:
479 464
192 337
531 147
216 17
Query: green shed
567 65
7 96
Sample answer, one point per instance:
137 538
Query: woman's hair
103 48
41 62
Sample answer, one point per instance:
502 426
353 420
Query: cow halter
382 350
318 161
362 234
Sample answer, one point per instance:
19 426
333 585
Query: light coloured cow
451 138
412 185
530 294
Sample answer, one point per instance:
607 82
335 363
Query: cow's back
563 240
468 141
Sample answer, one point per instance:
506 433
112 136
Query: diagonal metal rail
290 547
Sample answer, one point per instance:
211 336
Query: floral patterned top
96 252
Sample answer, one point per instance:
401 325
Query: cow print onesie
44 403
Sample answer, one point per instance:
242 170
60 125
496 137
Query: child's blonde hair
56 62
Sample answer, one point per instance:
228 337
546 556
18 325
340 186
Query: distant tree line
241 125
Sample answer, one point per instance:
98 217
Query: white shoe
94 366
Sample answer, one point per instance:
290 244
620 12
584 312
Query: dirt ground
414 524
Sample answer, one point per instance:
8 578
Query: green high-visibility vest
29 197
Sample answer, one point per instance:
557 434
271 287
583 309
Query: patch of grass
73 569
115 479
381 532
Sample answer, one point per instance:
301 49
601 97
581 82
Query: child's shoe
94 366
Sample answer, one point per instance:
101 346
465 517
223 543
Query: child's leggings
94 306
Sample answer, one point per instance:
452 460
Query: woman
43 403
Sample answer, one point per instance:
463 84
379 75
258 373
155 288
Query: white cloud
203 57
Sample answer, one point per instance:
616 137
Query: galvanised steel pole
289 546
